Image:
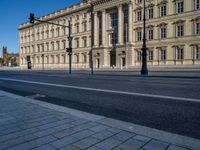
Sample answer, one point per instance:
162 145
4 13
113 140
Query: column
104 27
130 22
120 25
96 29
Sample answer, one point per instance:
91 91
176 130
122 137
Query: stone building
9 59
173 35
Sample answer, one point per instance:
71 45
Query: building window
64 31
114 20
180 30
47 33
77 43
163 55
138 1
139 15
77 17
52 46
58 32
77 28
114 38
126 34
84 42
180 7
38 47
163 10
42 35
84 15
84 58
42 47
58 45
150 55
139 35
150 34
197 4
52 33
198 53
150 13
180 54
47 44
64 45
197 28
139 55
163 32
77 58
84 27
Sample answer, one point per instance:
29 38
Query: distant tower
4 51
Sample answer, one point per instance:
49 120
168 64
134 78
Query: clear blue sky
14 12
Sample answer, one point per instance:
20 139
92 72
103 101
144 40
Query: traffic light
32 18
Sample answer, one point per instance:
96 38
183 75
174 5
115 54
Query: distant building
9 59
173 35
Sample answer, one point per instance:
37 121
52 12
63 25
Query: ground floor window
163 55
198 53
139 55
150 55
180 53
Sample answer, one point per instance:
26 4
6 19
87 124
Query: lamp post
42 62
92 37
144 70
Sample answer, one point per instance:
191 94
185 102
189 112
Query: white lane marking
104 90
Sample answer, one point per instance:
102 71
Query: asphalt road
163 102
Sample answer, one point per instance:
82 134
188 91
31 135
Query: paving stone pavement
28 126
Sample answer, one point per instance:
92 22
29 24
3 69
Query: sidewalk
30 124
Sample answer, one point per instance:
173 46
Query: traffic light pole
32 20
70 48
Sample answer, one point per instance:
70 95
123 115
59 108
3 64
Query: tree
1 61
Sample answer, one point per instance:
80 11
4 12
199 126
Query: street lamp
91 10
144 70
42 62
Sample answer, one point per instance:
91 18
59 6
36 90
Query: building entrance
112 58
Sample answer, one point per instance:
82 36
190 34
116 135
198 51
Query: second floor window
197 28
77 28
138 1
163 32
47 45
139 35
139 15
163 10
114 38
84 42
180 30
77 43
150 11
84 27
114 20
180 7
197 4
64 45
151 34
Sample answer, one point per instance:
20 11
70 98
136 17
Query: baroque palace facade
173 35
